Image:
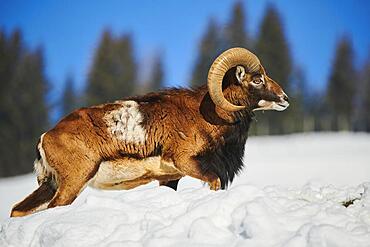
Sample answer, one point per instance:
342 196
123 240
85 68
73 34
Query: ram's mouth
271 105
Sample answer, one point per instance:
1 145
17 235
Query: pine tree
99 73
23 109
235 33
125 56
6 72
28 93
272 47
209 49
340 92
299 119
157 74
4 75
365 113
10 52
113 74
273 50
69 98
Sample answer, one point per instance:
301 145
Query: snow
328 158
291 194
14 189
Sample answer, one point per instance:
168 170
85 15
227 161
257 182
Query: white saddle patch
125 122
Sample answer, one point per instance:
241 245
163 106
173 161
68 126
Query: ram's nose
285 97
284 102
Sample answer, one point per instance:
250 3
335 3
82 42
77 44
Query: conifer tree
298 119
365 96
23 108
29 116
113 74
125 54
273 50
272 47
6 72
69 98
235 32
340 92
100 73
157 74
10 51
209 49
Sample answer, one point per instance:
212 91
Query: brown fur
181 126
30 204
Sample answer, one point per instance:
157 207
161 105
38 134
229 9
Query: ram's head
259 90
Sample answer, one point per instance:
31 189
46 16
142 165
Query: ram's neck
219 117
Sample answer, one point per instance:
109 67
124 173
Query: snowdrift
323 199
242 216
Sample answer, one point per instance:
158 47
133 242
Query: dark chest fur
226 159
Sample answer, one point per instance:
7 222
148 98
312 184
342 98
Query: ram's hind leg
72 184
37 201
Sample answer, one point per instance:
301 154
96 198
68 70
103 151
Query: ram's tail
40 198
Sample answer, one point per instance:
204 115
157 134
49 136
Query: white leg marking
41 167
41 207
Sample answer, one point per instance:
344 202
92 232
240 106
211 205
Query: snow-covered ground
291 193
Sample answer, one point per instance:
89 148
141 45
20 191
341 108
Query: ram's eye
257 81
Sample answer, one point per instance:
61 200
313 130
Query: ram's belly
127 173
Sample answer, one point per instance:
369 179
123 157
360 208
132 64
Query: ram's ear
240 74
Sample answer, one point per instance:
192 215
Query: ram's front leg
215 184
191 167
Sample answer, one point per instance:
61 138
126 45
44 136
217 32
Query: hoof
215 184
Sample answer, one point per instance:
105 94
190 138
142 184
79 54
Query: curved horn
224 62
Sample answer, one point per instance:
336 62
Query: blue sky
69 31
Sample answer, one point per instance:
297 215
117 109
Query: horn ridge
227 60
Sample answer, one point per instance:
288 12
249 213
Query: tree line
23 108
342 106
24 87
